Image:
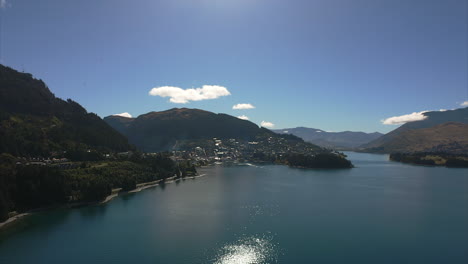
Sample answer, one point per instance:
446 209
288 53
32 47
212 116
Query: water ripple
250 250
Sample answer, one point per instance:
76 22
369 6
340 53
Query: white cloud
398 120
243 117
181 96
267 124
126 114
243 106
464 103
3 3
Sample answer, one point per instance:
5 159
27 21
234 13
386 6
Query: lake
378 212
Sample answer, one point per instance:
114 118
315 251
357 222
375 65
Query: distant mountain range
159 131
443 131
36 123
335 140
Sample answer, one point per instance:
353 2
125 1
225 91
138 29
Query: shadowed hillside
119 123
35 122
158 131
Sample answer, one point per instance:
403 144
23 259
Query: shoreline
115 193
13 219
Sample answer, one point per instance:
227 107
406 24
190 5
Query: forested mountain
415 138
159 131
335 140
36 123
119 123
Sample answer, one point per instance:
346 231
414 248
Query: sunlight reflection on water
251 250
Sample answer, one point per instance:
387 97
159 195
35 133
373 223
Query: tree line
26 187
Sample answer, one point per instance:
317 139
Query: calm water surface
379 212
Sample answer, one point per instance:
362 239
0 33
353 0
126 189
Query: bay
378 212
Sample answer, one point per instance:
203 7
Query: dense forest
320 161
432 159
37 126
26 187
36 123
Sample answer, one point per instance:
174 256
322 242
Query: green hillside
160 131
36 123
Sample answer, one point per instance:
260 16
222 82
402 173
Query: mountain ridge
433 119
449 137
159 131
338 140
35 122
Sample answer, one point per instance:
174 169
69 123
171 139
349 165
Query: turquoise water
378 212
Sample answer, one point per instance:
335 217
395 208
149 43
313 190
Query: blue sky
330 64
